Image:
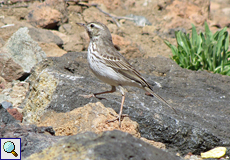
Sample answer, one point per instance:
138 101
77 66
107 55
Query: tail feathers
159 97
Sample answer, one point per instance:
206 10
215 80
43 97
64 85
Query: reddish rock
48 14
183 13
92 14
44 17
75 9
148 30
51 49
10 70
59 5
2 83
126 48
14 112
91 117
109 4
120 41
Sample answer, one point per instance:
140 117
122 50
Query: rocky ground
43 70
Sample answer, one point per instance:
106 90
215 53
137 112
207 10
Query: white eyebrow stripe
98 26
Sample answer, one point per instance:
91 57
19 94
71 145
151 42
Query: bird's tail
148 89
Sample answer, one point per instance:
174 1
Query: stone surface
7 105
5 117
126 47
56 84
10 69
15 113
33 139
120 41
40 94
3 83
92 117
110 145
14 93
44 17
7 32
112 5
20 54
75 9
59 5
148 29
93 14
155 144
52 50
74 43
183 13
45 36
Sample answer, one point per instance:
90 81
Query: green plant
204 51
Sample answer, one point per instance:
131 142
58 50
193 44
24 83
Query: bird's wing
115 60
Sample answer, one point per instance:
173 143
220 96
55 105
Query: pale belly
107 74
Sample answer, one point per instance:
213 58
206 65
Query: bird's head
97 30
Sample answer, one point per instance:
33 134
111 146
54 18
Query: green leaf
204 51
194 36
182 41
226 44
173 48
208 33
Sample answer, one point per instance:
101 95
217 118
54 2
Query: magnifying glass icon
9 147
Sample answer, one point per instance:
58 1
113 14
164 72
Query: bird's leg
120 116
121 109
113 89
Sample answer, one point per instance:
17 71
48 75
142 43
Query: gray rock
23 50
33 139
200 98
46 36
111 145
6 105
5 117
139 20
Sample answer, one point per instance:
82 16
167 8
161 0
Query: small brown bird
110 66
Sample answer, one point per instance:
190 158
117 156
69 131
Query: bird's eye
92 25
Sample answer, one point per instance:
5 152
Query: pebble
7 105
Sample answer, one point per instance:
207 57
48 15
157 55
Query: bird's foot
91 95
148 94
119 118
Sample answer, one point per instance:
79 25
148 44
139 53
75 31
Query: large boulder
200 98
110 145
19 55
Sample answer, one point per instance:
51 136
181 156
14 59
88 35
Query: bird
110 66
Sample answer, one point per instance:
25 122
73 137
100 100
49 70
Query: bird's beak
81 24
